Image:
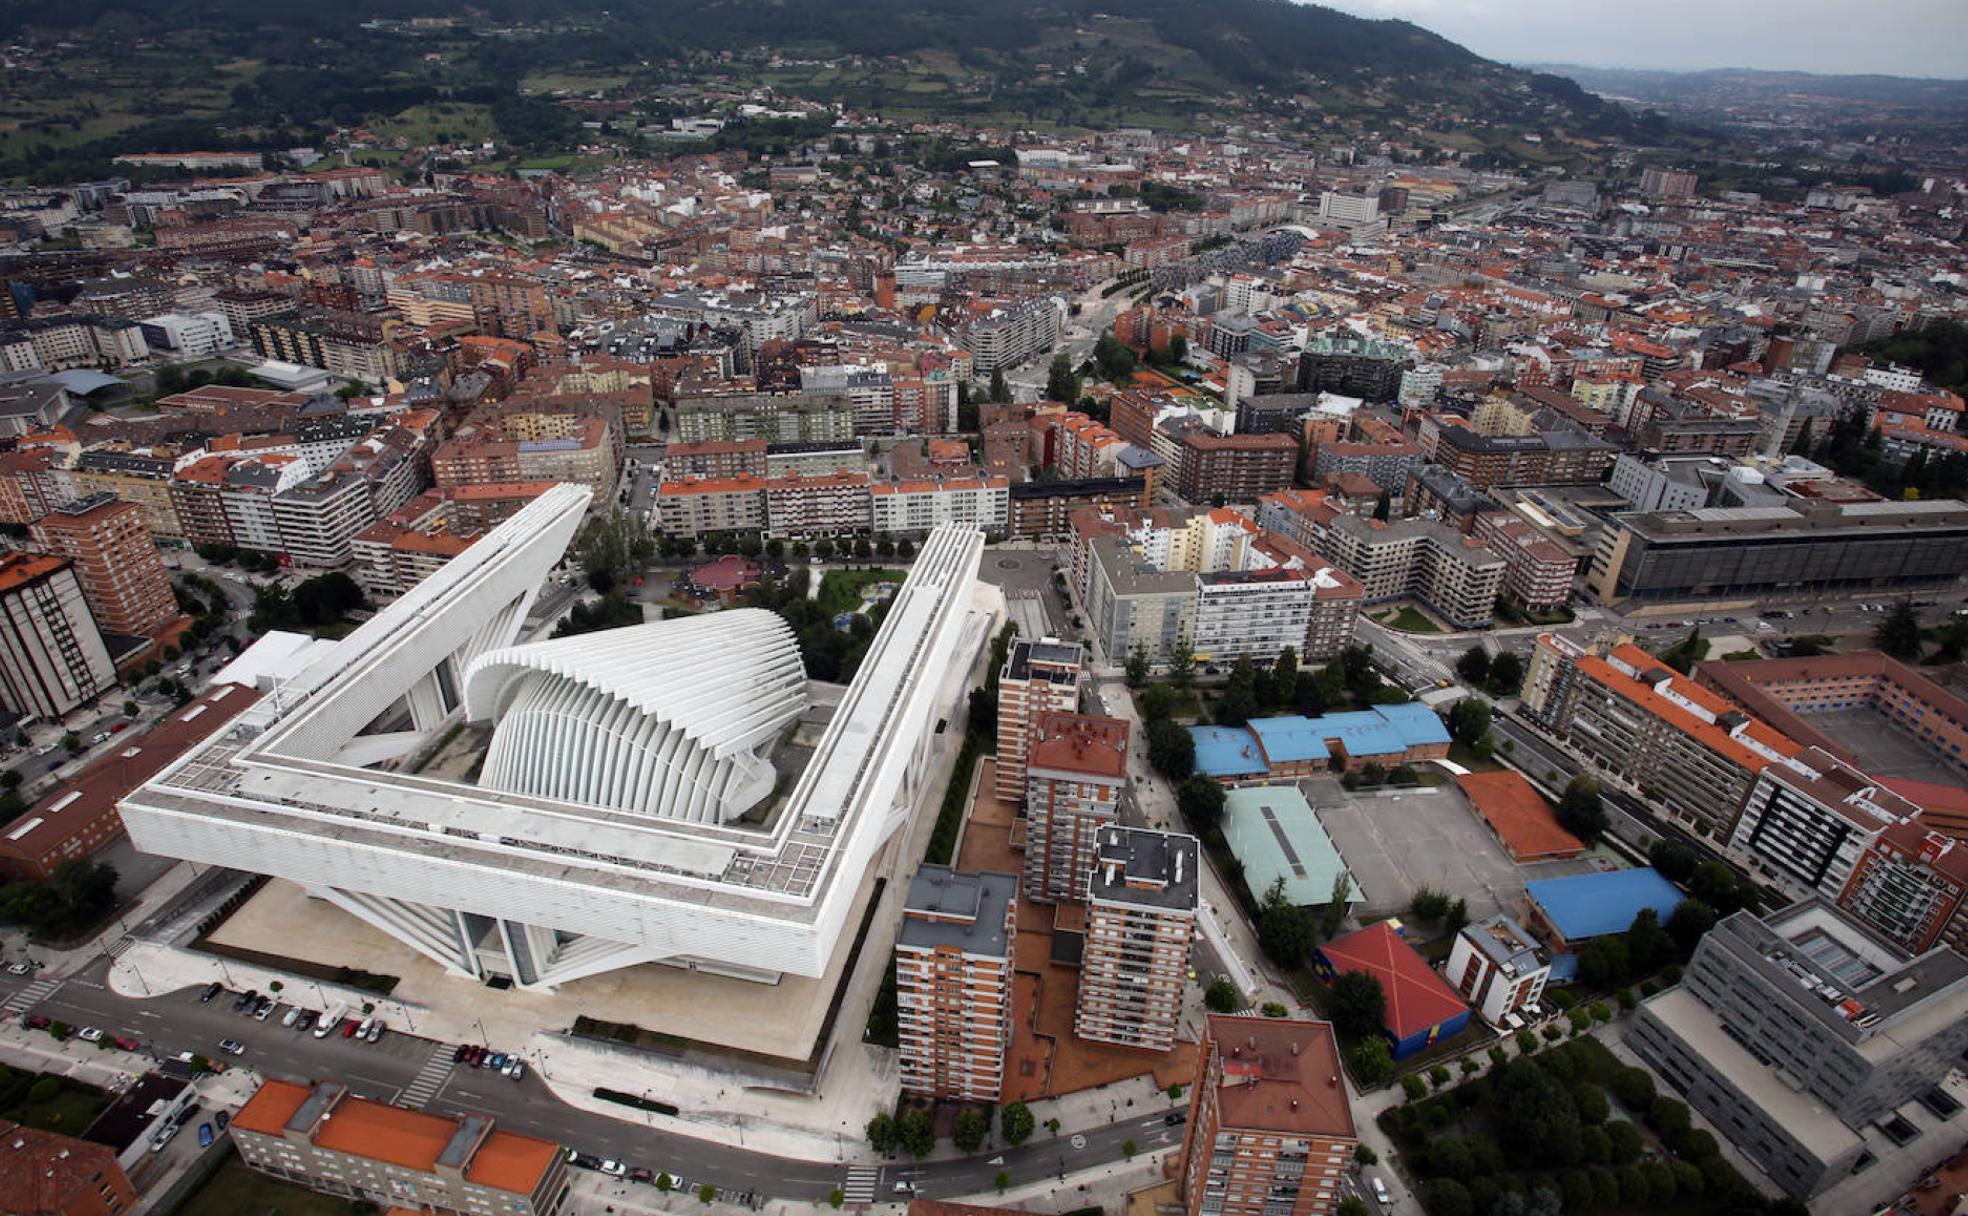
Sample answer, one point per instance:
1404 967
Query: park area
1566 1128
49 1102
234 1190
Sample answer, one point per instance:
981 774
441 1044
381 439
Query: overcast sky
1896 37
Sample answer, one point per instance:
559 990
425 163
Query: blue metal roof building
1226 752
1572 911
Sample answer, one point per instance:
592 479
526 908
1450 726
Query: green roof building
1273 832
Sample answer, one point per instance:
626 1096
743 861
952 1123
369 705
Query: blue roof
1384 730
1226 751
1291 739
1593 905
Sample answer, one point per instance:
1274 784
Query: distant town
953 667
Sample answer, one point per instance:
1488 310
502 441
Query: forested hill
95 77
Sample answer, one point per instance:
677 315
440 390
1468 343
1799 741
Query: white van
330 1020
1379 1190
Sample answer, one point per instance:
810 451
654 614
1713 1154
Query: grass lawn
1410 620
1186 707
840 590
235 1190
1460 753
70 1112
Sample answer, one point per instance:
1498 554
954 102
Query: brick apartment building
1270 1130
953 970
1038 678
1141 906
1075 767
122 577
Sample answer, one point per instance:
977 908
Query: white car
90 1034
1379 1189
18 969
614 1169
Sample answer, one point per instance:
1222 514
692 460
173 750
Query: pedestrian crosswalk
30 996
860 1185
121 946
430 1078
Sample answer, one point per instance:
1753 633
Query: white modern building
664 719
534 881
188 335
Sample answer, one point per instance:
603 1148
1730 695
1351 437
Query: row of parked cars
299 1018
473 1056
634 1173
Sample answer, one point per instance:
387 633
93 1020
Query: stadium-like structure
663 719
604 833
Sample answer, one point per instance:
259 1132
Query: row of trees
76 898
317 603
1502 676
912 1131
859 548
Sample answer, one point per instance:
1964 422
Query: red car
348 1028
116 726
35 1021
125 1042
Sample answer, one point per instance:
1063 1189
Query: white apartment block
1809 829
698 506
52 656
1011 335
194 335
1498 967
916 506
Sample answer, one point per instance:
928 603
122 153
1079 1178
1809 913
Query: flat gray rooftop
949 908
1153 869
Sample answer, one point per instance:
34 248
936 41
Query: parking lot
1394 841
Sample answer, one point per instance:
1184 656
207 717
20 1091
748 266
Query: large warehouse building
556 866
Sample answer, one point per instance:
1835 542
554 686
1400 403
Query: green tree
1675 861
1371 1061
1281 686
1222 996
1469 720
1201 802
1015 1123
1284 932
1171 749
1239 700
1473 665
1137 667
1690 919
1506 675
881 1132
1580 810
915 1133
1358 1006
1898 633
1333 914
706 1193
969 1131
1181 666
613 545
1002 1181
1061 382
1156 701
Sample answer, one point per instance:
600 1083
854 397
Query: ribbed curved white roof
663 719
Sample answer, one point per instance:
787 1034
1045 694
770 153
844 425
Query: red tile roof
1523 819
1417 998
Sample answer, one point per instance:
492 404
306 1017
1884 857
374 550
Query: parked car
613 1169
1379 1190
90 1034
101 736
211 990
519 1070
375 1030
223 1119
305 1021
1176 1118
583 1161
115 727
36 1021
349 1027
204 1135
232 1047
639 1174
458 1056
266 1007
246 1000
125 1043
18 968
292 1015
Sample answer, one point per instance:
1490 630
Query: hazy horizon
1917 38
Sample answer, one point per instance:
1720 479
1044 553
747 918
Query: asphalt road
176 1022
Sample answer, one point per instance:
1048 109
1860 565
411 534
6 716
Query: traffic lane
180 1022
1035 1162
